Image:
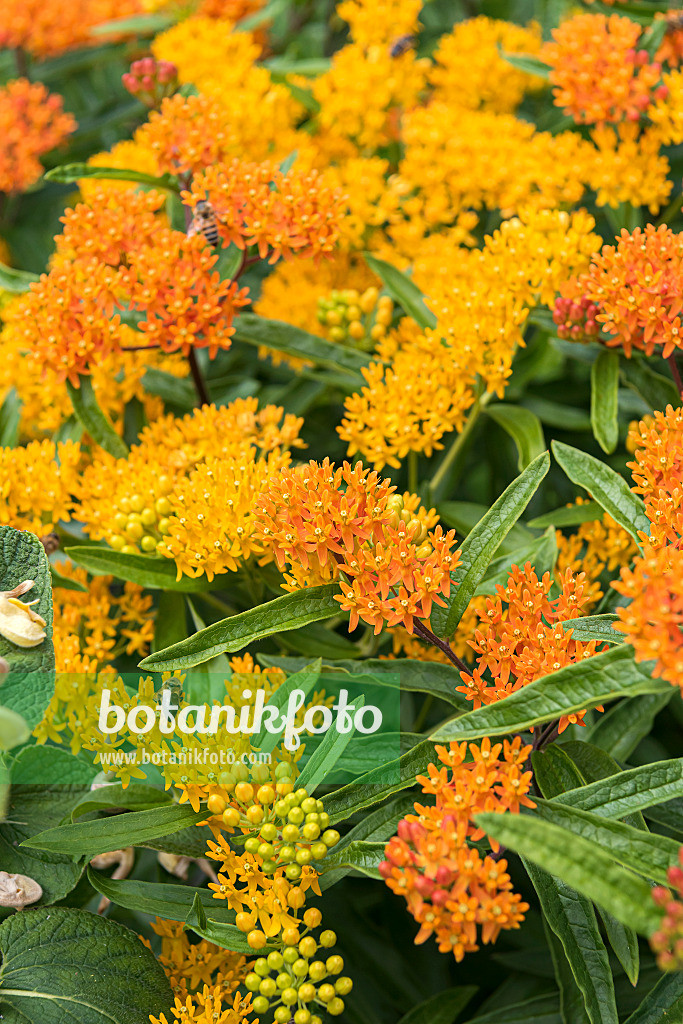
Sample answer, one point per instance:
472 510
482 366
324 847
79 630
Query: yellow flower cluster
186 489
378 22
628 167
470 72
427 380
36 482
222 64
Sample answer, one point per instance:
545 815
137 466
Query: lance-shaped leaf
655 390
595 627
578 862
573 688
380 783
605 400
568 515
402 290
234 633
649 854
432 677
527 62
75 172
442 1008
629 791
93 419
523 426
345 361
482 542
88 838
572 919
173 902
145 570
621 729
379 826
325 757
605 486
12 280
357 856
303 681
663 1004
61 964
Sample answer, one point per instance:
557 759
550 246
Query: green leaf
140 24
463 516
379 825
606 487
229 262
571 997
93 419
656 390
28 688
663 1004
524 427
303 96
578 862
651 39
595 627
402 290
325 757
138 797
434 678
146 570
542 554
568 515
225 935
379 783
527 62
65 583
649 854
12 280
31 809
10 417
572 919
358 856
605 400
41 765
234 633
482 542
160 899
102 973
629 791
442 1008
170 625
88 838
343 360
621 728
555 772
75 172
304 681
540 1010
175 391
573 688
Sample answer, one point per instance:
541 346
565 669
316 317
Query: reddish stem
675 372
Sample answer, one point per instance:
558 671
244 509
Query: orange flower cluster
638 288
188 134
116 253
346 522
598 73
653 621
667 943
32 122
45 28
283 214
522 637
450 889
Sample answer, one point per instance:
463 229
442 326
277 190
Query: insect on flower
402 45
204 222
176 689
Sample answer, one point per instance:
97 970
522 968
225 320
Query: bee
402 45
50 542
204 222
176 688
675 23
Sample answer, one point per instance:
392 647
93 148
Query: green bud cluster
142 522
360 320
294 981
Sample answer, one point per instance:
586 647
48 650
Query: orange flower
283 214
598 72
393 568
638 289
188 134
522 637
32 122
48 27
667 942
450 889
658 473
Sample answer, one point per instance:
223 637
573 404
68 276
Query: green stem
424 711
412 472
458 444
